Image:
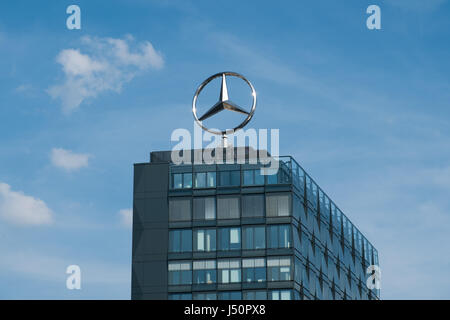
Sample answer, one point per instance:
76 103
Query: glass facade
235 233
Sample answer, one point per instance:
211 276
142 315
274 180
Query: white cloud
21 209
106 65
126 216
75 63
68 160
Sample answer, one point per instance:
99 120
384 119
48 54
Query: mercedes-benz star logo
224 103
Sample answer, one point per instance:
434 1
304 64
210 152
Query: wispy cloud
106 65
21 209
126 217
68 160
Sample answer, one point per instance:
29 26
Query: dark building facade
226 231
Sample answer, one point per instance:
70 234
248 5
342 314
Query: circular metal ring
200 88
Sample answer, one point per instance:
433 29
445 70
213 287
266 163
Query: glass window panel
179 209
180 241
204 208
285 295
284 237
278 269
187 180
255 295
200 179
229 271
235 178
204 272
235 275
210 243
234 236
210 208
248 238
273 178
278 205
230 238
279 236
205 296
230 295
177 181
228 208
224 177
283 205
253 205
201 240
259 178
186 240
174 241
254 238
225 276
211 179
205 240
260 238
249 177
180 296
272 237
179 273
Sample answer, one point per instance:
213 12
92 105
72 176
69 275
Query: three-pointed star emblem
223 103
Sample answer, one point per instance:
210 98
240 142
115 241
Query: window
204 296
278 269
280 176
204 209
253 205
177 180
278 205
205 240
205 179
200 180
229 239
180 296
280 295
336 218
279 236
230 178
187 180
272 177
228 208
347 229
255 295
254 270
180 240
230 295
179 209
253 177
180 273
204 271
229 271
254 238
181 180
324 206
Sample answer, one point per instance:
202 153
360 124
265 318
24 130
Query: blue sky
365 112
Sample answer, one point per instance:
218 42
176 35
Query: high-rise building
226 231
